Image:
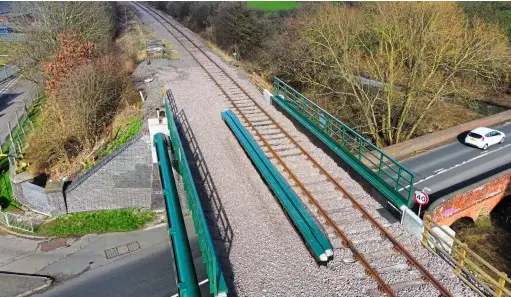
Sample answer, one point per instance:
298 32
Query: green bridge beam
187 278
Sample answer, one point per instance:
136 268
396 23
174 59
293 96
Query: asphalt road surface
148 273
456 165
13 92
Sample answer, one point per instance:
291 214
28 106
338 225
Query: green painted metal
295 210
187 278
217 285
389 177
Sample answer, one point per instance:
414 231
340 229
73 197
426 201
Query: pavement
454 166
138 263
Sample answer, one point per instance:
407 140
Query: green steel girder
296 212
353 161
187 278
217 284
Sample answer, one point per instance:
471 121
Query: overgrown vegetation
119 220
83 55
391 70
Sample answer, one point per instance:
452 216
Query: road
13 93
456 165
148 273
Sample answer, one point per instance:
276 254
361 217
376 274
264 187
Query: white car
484 137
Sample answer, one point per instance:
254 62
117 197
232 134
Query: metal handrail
217 284
186 275
354 144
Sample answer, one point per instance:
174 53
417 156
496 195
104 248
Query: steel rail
382 285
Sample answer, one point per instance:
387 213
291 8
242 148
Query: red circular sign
421 197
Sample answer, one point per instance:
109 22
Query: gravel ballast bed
266 255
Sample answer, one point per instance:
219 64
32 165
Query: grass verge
6 197
118 220
125 132
273 6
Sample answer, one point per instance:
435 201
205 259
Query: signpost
421 198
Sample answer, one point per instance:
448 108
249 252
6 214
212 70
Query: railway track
341 215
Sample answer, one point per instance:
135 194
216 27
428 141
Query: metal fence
7 72
217 284
19 125
473 270
16 221
388 176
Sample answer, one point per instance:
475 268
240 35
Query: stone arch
501 213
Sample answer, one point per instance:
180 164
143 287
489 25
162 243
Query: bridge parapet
475 201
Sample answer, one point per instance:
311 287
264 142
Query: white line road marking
457 165
438 170
200 284
9 84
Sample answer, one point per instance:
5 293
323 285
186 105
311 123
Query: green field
273 6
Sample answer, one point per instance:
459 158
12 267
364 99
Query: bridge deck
259 249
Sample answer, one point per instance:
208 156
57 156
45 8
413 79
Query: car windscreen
474 135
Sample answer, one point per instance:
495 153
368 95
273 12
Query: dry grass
445 116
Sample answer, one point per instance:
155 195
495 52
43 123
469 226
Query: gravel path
263 251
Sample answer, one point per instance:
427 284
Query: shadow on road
461 137
437 196
6 100
219 225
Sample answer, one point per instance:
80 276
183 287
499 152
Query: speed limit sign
421 197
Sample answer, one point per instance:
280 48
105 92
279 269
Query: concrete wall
476 201
37 198
126 178
123 179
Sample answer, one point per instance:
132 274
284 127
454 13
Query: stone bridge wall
124 179
476 202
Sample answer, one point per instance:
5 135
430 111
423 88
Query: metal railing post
398 177
360 149
379 165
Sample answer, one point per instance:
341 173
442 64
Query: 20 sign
421 197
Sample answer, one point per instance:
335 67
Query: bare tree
384 67
42 22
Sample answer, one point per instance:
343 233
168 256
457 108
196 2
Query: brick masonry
479 199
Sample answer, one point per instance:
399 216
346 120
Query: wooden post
19 147
461 260
11 138
425 233
26 115
502 283
19 124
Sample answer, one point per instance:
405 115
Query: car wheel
502 140
485 146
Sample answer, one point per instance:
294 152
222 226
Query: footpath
28 265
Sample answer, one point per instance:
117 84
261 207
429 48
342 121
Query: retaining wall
124 179
121 180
